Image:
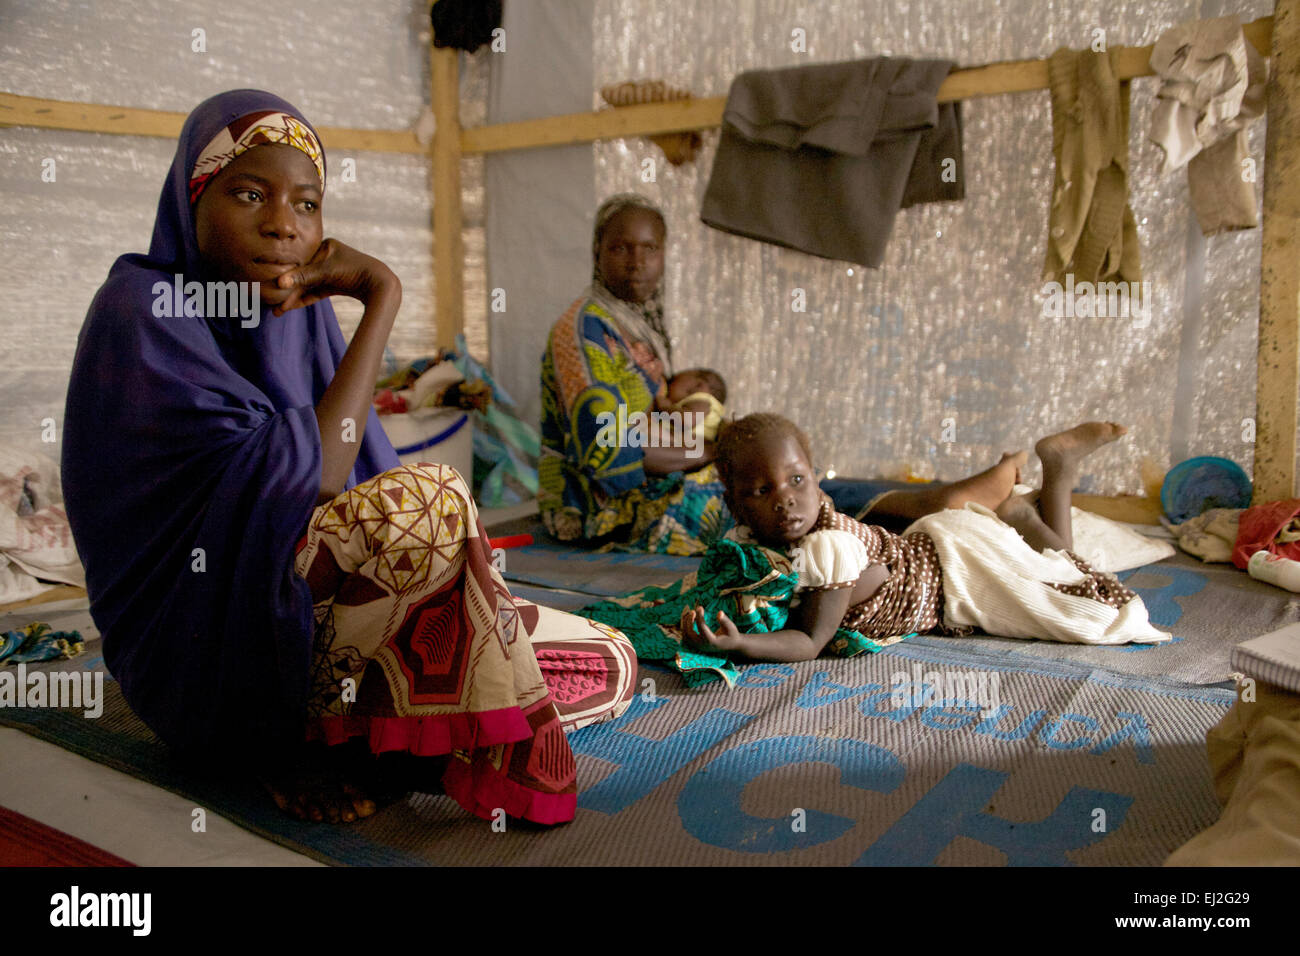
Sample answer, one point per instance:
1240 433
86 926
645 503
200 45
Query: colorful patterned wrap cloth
752 584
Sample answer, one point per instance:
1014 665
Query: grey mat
799 764
547 563
718 777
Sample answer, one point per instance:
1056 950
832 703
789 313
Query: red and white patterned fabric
421 647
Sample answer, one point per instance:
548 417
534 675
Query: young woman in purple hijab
263 569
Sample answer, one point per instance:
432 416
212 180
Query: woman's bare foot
1066 449
345 783
319 798
325 784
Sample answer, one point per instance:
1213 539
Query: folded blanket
1210 535
753 585
821 158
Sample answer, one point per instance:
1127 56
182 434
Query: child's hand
699 637
336 269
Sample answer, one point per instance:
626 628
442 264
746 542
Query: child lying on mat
796 578
1008 572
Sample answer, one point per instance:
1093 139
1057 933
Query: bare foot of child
1064 450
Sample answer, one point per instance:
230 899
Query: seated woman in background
608 355
263 569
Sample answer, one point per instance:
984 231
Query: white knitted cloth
993 580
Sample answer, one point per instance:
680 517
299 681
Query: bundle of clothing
506 448
36 547
1235 534
39 642
1212 89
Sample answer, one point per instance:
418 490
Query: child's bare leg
989 488
1019 512
1060 455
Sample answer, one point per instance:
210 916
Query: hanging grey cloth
821 158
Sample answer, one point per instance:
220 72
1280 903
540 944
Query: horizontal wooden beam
1015 76
127 121
60 592
1134 509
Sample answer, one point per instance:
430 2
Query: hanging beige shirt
1091 232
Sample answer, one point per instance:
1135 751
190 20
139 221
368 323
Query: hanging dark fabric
464 24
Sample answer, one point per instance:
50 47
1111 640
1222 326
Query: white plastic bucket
444 436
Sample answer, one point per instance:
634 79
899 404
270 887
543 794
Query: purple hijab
197 433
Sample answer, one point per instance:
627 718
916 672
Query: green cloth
749 582
36 642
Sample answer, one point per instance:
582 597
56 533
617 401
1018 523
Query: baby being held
700 394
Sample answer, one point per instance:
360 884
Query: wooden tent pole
1278 365
448 246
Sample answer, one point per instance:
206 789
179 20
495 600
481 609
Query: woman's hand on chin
335 269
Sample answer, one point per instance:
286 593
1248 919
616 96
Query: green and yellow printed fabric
592 484
752 584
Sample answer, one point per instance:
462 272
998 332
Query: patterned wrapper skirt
420 647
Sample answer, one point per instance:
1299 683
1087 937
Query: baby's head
765 463
693 380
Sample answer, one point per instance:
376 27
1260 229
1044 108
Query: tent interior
475 175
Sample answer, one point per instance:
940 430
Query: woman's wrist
384 291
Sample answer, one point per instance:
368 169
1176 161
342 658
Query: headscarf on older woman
643 321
